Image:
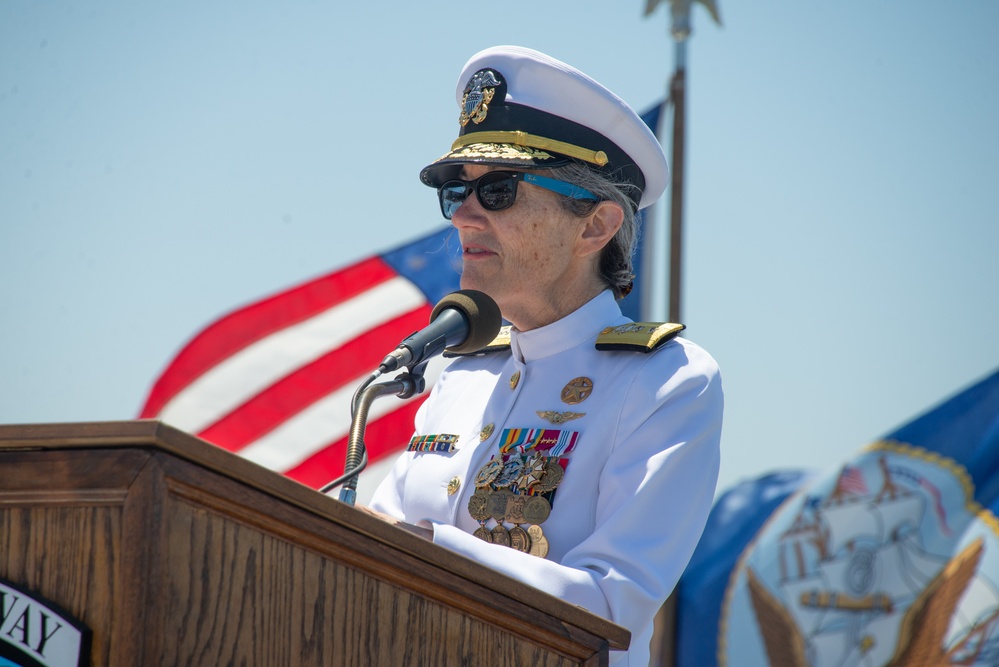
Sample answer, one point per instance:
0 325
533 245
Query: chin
472 282
484 286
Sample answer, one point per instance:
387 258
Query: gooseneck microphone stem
404 385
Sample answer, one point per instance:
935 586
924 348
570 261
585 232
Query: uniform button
514 379
453 486
486 431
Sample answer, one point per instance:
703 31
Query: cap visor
504 155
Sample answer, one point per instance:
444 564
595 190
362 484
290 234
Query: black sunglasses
497 190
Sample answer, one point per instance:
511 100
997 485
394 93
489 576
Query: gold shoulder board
498 344
638 336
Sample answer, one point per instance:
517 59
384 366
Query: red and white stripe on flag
273 381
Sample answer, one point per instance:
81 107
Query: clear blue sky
164 163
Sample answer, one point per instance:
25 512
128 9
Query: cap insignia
479 93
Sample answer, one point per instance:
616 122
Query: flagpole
664 645
677 96
665 631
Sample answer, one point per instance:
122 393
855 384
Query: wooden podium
176 552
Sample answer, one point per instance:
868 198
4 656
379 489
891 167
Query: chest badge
515 379
577 390
555 417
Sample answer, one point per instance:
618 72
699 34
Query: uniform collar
577 327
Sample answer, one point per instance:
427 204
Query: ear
599 228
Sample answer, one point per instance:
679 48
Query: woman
580 456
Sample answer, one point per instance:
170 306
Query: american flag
272 381
852 481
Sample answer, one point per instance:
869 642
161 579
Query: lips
477 251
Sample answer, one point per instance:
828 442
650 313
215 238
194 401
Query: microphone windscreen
482 313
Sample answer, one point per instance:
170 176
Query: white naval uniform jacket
639 483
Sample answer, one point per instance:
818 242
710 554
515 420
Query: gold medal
536 510
478 506
488 472
539 543
515 510
519 539
500 536
577 390
552 477
498 502
483 534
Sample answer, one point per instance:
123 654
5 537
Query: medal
515 510
537 510
519 539
498 502
487 473
552 477
511 471
539 543
500 535
532 473
517 485
477 507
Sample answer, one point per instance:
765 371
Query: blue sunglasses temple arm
561 187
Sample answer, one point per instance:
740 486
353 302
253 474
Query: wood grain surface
177 553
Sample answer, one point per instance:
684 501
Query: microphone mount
407 384
463 321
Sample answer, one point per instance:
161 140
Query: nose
470 214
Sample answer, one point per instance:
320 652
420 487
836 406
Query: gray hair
615 267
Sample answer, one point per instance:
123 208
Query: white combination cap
524 109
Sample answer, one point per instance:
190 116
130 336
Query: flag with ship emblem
890 560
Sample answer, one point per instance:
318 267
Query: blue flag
631 305
890 559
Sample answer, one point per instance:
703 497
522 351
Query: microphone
463 321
